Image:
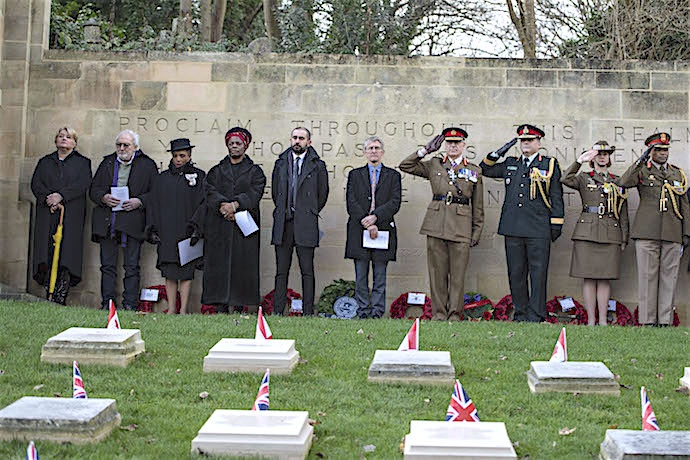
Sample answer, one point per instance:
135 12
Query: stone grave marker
685 380
285 435
571 377
114 347
457 440
250 355
64 420
412 366
645 445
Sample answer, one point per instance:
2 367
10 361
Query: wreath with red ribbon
555 313
676 319
147 305
477 307
504 310
267 302
620 317
398 308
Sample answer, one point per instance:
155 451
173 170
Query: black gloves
496 154
194 238
434 144
153 237
555 232
645 156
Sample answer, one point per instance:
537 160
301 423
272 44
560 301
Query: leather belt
601 210
449 198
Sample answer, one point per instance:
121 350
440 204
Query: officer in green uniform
660 229
531 218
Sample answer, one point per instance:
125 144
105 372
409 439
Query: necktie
526 162
373 192
293 184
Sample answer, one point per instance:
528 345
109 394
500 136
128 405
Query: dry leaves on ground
566 431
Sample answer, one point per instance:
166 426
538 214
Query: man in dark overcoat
531 218
299 187
122 226
231 260
660 229
373 197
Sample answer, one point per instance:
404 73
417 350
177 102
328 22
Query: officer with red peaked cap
531 217
454 219
660 229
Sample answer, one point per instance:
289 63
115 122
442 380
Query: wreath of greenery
331 293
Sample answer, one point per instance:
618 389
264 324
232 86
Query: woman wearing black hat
177 194
601 232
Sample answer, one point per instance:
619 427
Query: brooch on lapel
191 179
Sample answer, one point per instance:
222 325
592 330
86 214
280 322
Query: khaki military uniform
660 225
602 226
454 218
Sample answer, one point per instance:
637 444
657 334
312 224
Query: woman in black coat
62 177
177 194
231 260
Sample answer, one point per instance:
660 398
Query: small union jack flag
560 351
411 340
31 452
78 391
648 418
113 320
461 407
263 332
261 402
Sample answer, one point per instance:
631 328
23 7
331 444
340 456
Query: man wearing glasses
119 189
373 197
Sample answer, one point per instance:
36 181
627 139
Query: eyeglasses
122 144
374 147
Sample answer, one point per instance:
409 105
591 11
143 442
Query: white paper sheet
612 305
189 253
416 298
567 303
150 295
122 194
381 241
245 222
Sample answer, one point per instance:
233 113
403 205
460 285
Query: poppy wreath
676 319
147 305
620 317
399 307
210 309
555 313
267 302
504 310
477 307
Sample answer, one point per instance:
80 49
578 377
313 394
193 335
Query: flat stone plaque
457 440
571 377
249 355
412 366
645 445
64 420
284 435
685 380
86 345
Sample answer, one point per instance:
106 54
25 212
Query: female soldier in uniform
601 232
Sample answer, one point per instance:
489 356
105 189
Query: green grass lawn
158 394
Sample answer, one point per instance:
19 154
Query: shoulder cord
616 196
672 192
537 181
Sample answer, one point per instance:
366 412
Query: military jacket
444 219
526 214
600 195
657 218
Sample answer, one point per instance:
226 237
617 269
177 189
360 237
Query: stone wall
342 100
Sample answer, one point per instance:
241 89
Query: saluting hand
434 144
587 156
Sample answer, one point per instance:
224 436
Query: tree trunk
205 12
218 18
184 25
525 24
270 20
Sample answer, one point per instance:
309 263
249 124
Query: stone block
267 73
429 440
63 420
12 75
655 105
181 71
16 28
405 76
229 72
685 379
284 435
670 81
532 78
622 80
477 77
56 70
14 51
202 97
115 71
143 95
587 103
281 98
330 99
571 377
249 355
519 97
413 366
576 79
110 347
645 445
331 74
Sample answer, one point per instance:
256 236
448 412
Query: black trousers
110 248
305 256
528 256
